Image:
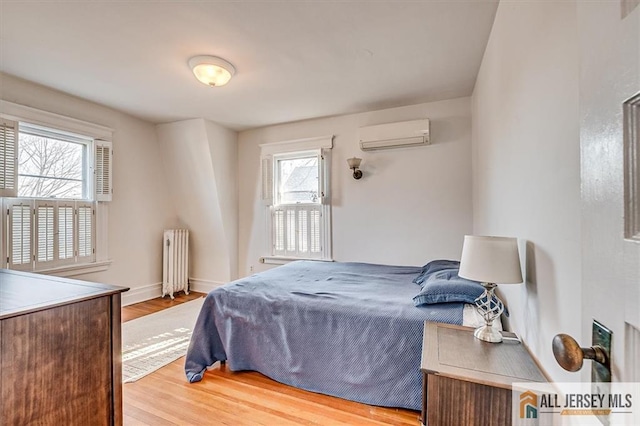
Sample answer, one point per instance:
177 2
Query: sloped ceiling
294 60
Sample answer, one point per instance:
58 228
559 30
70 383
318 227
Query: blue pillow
446 286
436 266
445 290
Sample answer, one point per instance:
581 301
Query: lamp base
488 334
489 307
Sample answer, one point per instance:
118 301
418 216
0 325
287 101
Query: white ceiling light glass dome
211 70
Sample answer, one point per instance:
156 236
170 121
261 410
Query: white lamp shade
490 260
354 162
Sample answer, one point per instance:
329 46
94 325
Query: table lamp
491 261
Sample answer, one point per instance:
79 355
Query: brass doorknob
570 355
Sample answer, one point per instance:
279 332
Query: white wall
223 145
412 205
200 158
526 165
139 210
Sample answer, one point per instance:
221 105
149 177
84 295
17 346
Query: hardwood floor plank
138 310
327 401
203 405
295 405
134 415
248 398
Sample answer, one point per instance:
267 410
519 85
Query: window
45 234
297 210
295 184
51 165
50 182
297 178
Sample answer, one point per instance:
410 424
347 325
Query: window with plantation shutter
314 231
45 233
66 233
296 231
86 215
103 172
278 231
295 183
19 234
55 172
8 158
267 179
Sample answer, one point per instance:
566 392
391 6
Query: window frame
88 166
99 136
277 183
270 155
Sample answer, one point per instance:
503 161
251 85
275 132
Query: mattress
349 330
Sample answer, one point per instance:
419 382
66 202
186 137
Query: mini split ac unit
395 135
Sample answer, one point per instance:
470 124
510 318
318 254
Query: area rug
155 340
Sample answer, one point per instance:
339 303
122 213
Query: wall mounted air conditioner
395 135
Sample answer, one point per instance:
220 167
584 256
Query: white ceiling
294 60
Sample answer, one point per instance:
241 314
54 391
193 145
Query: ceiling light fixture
211 70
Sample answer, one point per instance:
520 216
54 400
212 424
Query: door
609 34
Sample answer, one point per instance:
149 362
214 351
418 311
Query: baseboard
203 286
152 291
140 294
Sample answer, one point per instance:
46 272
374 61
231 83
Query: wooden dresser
60 351
468 381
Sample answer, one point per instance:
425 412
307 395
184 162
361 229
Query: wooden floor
154 305
243 398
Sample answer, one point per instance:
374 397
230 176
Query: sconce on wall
354 164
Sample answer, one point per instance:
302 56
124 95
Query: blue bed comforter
343 329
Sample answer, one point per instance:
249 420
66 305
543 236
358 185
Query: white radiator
175 262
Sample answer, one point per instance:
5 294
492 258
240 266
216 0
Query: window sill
281 260
72 270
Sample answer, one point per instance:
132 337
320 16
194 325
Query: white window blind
267 179
296 231
45 233
19 233
8 158
86 233
315 242
103 170
66 233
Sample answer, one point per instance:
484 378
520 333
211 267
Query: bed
349 330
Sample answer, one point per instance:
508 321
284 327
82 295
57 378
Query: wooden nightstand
467 381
